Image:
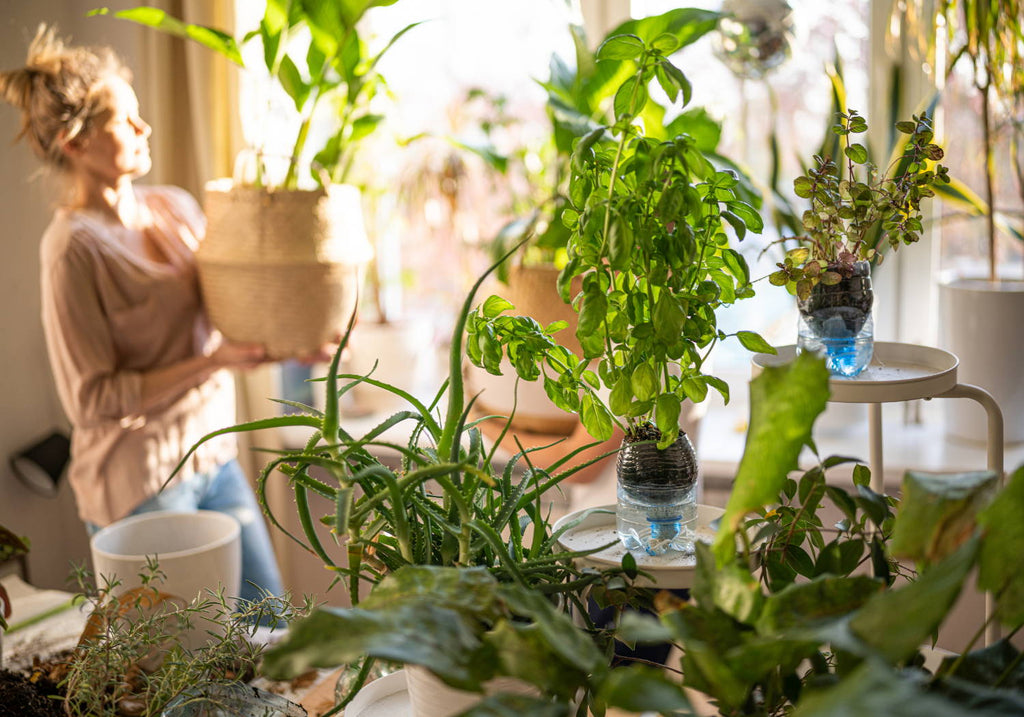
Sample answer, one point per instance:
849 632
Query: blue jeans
226 490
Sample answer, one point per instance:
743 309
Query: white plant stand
596 529
905 372
902 372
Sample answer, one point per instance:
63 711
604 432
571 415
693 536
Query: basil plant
649 264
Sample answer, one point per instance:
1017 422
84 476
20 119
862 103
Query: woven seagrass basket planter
282 268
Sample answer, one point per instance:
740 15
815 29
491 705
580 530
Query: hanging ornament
754 36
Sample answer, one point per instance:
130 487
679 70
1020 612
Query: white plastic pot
197 552
430 697
981 323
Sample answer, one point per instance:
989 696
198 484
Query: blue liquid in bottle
846 353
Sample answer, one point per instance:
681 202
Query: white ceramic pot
981 323
430 697
196 551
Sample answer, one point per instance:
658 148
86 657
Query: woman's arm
167 382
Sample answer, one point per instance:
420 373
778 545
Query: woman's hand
239 355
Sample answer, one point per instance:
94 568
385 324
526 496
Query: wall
30 406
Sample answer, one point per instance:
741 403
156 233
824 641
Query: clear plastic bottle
846 353
657 497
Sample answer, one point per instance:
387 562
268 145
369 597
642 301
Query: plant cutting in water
850 199
856 210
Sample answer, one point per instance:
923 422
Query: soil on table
24 696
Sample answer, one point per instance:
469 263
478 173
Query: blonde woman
139 371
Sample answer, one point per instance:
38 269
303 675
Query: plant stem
990 169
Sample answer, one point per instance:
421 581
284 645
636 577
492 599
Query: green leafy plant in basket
337 69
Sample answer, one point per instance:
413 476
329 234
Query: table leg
995 463
995 421
875 447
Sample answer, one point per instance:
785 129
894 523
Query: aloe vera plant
446 503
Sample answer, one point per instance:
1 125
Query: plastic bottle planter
835 322
657 496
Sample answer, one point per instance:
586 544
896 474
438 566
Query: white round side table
902 372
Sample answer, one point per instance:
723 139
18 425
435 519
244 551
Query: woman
139 371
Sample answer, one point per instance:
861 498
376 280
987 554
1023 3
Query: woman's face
117 145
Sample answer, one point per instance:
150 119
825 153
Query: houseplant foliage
579 100
791 616
338 69
11 546
438 499
646 221
851 200
303 251
987 35
131 658
855 211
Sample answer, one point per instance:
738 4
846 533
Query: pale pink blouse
109 315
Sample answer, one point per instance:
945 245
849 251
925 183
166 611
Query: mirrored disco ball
754 36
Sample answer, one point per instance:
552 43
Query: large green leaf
568 641
938 513
784 402
686 25
420 615
525 653
419 633
158 19
639 688
897 622
874 690
730 588
1002 548
821 600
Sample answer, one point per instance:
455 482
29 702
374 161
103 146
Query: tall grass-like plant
439 500
443 500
